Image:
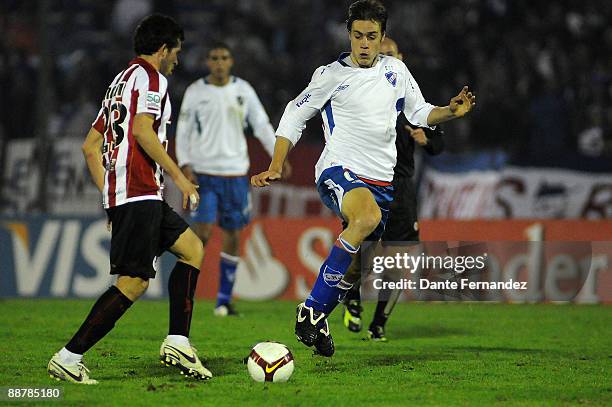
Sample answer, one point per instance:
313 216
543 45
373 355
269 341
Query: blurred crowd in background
542 71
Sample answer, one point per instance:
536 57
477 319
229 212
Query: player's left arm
459 106
92 150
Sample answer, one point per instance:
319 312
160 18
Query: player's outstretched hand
263 179
461 104
189 191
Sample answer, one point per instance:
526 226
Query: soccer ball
270 362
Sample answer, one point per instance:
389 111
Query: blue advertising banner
60 257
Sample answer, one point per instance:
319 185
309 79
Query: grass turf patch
437 354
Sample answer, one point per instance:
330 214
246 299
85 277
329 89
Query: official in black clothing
402 224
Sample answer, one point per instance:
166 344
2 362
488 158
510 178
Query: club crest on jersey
332 277
391 77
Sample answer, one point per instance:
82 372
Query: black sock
353 294
181 288
101 319
380 318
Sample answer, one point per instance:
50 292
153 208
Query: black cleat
377 333
352 315
308 323
324 344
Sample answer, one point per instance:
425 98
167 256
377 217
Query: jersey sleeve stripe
153 75
399 105
130 152
330 116
128 73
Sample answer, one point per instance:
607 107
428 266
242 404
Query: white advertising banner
516 192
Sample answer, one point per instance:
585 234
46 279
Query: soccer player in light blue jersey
359 97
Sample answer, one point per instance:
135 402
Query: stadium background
536 154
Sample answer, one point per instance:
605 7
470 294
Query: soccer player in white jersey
212 151
125 154
402 224
359 97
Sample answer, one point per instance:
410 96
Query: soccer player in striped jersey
359 97
125 154
212 151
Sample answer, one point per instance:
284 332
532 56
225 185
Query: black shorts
142 231
402 225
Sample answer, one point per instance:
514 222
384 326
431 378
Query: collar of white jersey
345 60
232 79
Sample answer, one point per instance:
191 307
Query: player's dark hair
218 45
154 31
367 10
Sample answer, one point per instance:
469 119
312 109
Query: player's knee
133 288
138 287
234 239
231 242
368 221
377 217
198 253
142 286
195 255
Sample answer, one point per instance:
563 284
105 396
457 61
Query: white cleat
185 358
76 373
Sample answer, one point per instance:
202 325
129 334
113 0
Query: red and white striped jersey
131 175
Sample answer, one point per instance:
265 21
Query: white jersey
210 132
359 107
130 174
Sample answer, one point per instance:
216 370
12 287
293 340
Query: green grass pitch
438 354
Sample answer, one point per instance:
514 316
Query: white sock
178 340
69 358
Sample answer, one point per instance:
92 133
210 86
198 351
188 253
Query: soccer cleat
226 310
185 359
76 373
377 333
352 316
308 323
324 344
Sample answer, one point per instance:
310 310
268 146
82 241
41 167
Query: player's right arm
147 138
275 171
92 150
293 122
